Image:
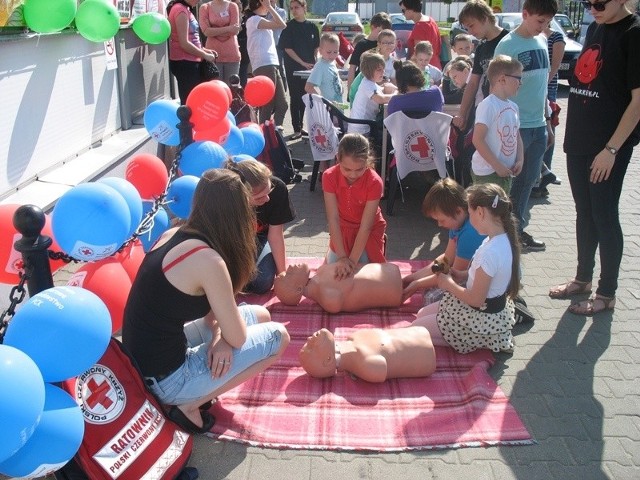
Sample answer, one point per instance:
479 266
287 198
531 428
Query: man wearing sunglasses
602 129
526 44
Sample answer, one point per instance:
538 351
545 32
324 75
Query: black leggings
187 74
296 107
597 219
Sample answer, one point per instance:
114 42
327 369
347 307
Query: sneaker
295 136
557 181
537 192
304 133
522 313
530 244
546 180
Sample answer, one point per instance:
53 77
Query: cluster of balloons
96 20
58 334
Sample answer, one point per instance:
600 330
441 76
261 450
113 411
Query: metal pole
29 221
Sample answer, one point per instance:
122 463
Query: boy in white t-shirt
325 75
499 152
369 96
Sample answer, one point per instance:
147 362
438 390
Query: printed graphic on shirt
507 131
532 60
589 65
419 148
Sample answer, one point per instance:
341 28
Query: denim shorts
193 379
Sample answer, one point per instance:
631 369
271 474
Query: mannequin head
289 286
318 355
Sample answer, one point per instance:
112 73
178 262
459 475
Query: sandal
572 287
179 418
595 304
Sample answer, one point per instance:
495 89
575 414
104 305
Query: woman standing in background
220 23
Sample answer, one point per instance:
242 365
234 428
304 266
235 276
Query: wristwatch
610 149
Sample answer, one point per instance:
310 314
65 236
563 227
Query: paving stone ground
574 381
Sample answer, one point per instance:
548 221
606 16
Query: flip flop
572 287
179 418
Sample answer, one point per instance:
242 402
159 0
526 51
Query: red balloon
109 281
131 258
10 259
226 88
259 91
219 133
209 103
55 265
148 174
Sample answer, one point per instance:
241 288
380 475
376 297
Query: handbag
208 71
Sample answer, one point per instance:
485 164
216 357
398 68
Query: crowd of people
182 323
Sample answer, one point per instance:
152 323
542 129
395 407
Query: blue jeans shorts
193 380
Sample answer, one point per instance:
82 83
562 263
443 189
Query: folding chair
420 144
321 132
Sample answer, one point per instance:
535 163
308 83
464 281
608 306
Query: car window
342 18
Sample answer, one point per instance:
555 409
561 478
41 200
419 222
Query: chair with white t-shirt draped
420 144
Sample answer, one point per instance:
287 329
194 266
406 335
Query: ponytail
495 200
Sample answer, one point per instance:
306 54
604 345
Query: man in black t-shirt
380 21
478 18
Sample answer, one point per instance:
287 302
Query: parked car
572 48
346 22
567 25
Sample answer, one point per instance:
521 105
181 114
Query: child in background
455 76
386 48
421 57
370 95
462 44
352 193
496 136
446 203
481 314
324 74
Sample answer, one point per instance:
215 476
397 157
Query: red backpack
127 435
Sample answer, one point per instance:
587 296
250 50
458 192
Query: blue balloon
91 221
161 224
161 120
235 142
55 440
232 118
253 141
198 157
242 157
180 195
64 330
130 195
21 399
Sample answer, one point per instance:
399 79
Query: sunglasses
598 6
517 77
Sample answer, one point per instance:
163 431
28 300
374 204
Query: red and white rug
460 405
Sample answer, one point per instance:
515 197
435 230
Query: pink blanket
459 405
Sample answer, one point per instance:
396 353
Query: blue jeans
266 269
534 141
193 380
598 220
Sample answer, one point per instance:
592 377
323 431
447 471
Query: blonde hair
386 33
329 38
502 65
252 171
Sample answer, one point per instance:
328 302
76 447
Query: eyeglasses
517 77
598 6
387 43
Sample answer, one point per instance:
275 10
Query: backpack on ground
127 435
276 155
